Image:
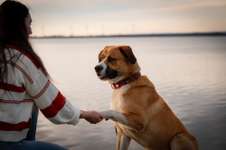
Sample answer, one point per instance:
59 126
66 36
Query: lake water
189 72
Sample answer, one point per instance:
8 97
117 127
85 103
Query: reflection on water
189 72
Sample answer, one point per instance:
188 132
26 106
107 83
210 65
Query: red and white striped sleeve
47 97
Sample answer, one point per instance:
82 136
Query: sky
94 17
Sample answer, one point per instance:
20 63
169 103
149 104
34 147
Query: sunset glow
103 17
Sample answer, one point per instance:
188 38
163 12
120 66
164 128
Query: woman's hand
91 116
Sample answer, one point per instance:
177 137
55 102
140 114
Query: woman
24 83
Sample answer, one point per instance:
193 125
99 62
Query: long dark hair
13 32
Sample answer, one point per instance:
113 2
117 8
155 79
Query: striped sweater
27 85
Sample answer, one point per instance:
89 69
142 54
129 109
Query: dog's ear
128 54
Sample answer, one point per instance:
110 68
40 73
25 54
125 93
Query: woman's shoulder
26 61
25 65
19 56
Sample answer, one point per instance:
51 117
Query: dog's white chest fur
117 97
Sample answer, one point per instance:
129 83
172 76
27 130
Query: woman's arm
49 99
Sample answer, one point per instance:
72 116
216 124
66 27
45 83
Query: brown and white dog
139 112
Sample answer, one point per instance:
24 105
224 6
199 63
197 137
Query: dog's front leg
118 138
125 141
122 141
130 121
115 116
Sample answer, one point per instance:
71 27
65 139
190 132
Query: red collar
125 81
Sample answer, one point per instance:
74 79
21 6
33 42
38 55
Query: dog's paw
107 114
115 116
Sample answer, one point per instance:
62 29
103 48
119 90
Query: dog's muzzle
105 72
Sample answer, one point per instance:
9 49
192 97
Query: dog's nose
98 68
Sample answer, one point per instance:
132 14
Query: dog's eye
110 59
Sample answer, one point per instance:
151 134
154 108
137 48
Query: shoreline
135 35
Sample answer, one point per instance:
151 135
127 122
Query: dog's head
116 63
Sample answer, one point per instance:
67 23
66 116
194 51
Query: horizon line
214 33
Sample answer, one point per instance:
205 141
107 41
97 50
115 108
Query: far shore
135 35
